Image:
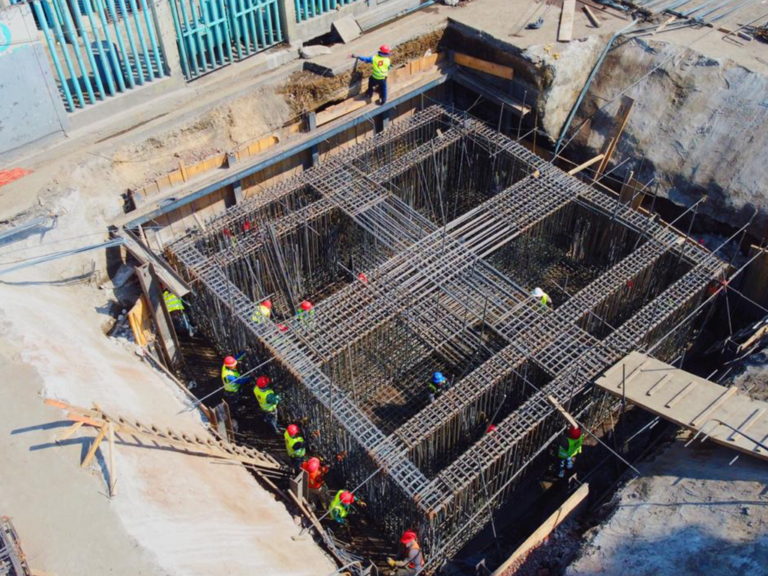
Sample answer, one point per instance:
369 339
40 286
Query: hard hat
262 381
306 306
293 429
362 277
438 378
408 537
282 327
313 465
537 292
491 428
347 497
574 433
384 49
230 362
267 304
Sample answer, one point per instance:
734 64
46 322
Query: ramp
721 414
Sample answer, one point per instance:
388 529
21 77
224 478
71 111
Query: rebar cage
419 249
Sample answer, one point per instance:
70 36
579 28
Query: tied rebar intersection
419 248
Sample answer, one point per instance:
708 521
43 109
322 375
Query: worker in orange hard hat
568 448
268 401
410 559
306 313
263 312
231 379
381 64
318 492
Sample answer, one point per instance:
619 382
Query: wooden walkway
719 413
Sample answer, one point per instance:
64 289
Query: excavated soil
305 91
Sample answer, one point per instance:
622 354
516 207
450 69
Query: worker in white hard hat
542 297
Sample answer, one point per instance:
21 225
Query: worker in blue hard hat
437 385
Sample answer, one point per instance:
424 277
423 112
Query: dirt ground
689 514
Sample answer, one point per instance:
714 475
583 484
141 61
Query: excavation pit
419 248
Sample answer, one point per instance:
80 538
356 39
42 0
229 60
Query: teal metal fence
214 33
306 9
99 48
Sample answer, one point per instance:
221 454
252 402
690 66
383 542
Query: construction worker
378 80
318 493
231 379
294 444
340 506
411 558
306 314
268 401
437 385
569 447
263 312
175 307
542 297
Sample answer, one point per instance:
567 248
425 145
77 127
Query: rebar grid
419 247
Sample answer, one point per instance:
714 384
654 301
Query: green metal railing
306 9
214 33
99 48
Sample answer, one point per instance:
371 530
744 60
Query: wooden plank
565 33
94 446
586 164
70 431
112 477
622 117
164 330
659 384
491 68
591 16
168 276
682 394
713 406
747 424
664 25
563 412
570 508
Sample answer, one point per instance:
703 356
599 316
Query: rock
309 52
347 28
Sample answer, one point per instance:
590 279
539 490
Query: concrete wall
31 110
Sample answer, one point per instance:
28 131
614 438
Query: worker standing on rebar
318 492
542 297
175 307
410 559
306 313
294 445
263 312
340 506
378 80
568 448
268 401
231 379
437 385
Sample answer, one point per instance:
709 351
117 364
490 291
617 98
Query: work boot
569 463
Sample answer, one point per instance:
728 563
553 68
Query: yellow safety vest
545 300
172 302
574 448
230 385
290 442
262 395
381 66
338 510
262 314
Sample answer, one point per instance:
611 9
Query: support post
288 20
166 334
315 149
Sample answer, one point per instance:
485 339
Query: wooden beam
591 16
714 406
70 431
95 446
484 66
164 330
622 117
569 509
586 164
566 21
570 419
664 25
112 477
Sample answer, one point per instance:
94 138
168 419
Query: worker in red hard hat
568 448
231 379
306 313
318 492
341 505
263 312
268 401
410 559
294 444
381 64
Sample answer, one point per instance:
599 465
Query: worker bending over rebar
568 448
410 558
268 401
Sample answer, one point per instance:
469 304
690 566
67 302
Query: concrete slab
347 29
